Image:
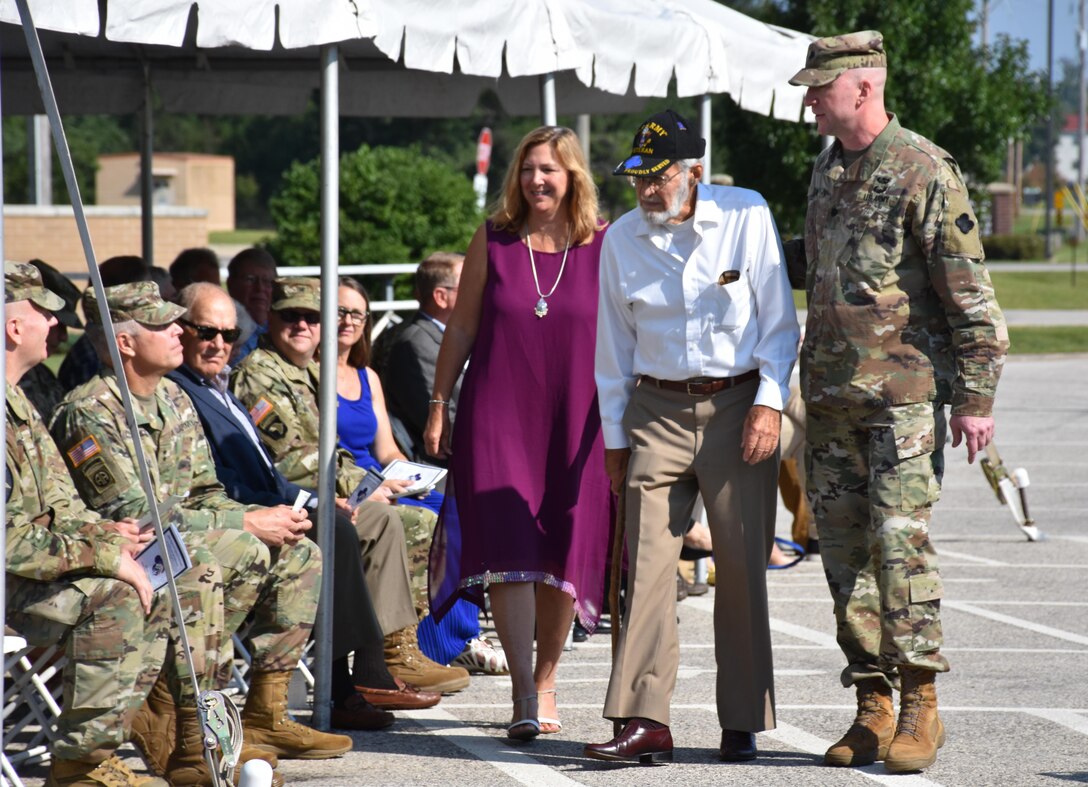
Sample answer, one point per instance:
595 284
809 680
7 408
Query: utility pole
984 24
1049 127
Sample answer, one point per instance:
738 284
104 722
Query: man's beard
680 199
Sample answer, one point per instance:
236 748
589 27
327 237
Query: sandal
548 726
526 728
797 549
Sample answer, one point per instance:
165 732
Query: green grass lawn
247 237
1042 290
1051 339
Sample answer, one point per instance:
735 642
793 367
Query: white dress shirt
668 317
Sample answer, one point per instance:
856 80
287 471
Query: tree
396 205
941 85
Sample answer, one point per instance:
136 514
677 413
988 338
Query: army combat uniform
62 588
283 403
233 570
901 319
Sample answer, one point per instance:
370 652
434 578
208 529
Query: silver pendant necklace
541 309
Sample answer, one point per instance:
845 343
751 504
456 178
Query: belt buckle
689 385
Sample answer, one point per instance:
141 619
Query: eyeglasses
352 316
207 333
655 182
294 317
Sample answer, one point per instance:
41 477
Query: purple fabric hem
585 617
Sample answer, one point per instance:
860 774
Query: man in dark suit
405 357
244 467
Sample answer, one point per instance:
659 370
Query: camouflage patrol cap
296 293
22 282
829 57
138 300
57 282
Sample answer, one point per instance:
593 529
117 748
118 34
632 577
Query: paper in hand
368 486
154 564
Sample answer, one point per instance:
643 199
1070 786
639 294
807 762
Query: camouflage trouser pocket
914 444
926 591
93 677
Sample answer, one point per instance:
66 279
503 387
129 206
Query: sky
1027 19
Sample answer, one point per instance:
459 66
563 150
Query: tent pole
547 99
704 131
147 141
326 482
582 128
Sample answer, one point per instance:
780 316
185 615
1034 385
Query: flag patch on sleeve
260 410
84 450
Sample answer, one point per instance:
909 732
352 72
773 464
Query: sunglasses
294 317
207 333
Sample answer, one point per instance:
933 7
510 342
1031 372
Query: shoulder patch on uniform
260 410
83 450
275 428
99 474
964 223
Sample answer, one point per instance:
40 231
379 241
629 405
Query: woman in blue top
363 428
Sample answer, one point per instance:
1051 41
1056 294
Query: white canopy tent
388 58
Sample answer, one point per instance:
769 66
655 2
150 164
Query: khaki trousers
682 446
385 564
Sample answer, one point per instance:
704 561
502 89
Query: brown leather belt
701 387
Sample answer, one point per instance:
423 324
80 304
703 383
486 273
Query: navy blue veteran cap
660 141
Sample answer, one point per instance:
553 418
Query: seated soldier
40 385
244 467
71 576
278 382
268 567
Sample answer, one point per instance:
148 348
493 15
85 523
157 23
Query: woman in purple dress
527 509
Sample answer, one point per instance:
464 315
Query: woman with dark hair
362 425
527 508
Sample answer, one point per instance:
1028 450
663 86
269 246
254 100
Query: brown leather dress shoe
355 713
641 741
737 746
404 697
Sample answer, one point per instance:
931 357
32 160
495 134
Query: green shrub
1014 247
396 205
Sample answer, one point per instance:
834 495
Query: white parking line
1066 718
943 552
1038 628
777 625
490 750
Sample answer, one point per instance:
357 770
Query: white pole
547 99
147 142
704 132
39 160
582 129
326 450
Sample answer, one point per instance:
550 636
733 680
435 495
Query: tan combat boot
920 732
110 772
187 766
406 661
266 723
868 738
153 727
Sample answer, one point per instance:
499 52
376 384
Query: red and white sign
483 151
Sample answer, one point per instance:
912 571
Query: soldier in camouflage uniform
71 576
279 383
40 385
248 560
902 319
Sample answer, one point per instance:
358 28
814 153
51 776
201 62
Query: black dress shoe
580 634
737 746
641 741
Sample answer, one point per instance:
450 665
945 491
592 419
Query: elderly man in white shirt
696 339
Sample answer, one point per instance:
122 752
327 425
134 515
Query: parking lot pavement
1016 626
